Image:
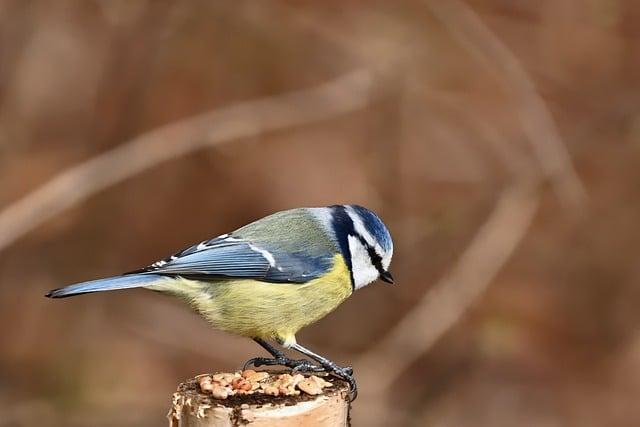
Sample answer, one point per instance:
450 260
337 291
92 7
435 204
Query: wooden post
260 399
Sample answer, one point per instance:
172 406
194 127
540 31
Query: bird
271 278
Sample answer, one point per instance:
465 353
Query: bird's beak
387 277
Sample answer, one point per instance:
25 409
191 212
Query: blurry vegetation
467 101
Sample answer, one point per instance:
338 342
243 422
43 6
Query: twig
442 306
514 160
535 118
498 238
342 95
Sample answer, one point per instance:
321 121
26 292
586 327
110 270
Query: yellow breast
266 310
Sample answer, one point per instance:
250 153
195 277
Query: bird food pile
247 382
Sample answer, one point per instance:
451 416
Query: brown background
467 101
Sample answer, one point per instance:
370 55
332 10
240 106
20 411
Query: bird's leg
281 359
345 373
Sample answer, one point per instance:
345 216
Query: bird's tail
109 284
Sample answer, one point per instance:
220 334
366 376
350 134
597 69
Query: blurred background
499 140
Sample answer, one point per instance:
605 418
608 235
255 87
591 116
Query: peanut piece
271 390
219 392
309 386
241 384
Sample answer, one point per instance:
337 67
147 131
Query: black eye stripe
376 260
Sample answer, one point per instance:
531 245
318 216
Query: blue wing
232 257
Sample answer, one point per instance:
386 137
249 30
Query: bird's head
364 242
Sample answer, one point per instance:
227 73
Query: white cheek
386 260
363 271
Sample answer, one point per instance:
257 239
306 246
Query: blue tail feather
108 284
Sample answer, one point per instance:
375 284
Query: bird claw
306 366
296 365
346 374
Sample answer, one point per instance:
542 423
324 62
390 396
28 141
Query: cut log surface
250 399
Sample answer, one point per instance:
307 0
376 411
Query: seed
256 376
218 377
296 379
271 390
309 386
248 373
241 384
320 381
219 392
284 390
205 383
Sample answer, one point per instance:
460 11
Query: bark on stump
191 407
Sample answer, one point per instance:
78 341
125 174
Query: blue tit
272 277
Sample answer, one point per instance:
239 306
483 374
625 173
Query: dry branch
492 246
444 304
536 120
347 93
498 237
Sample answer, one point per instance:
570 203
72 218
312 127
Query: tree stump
259 399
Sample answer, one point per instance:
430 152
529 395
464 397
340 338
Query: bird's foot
346 374
303 365
297 365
